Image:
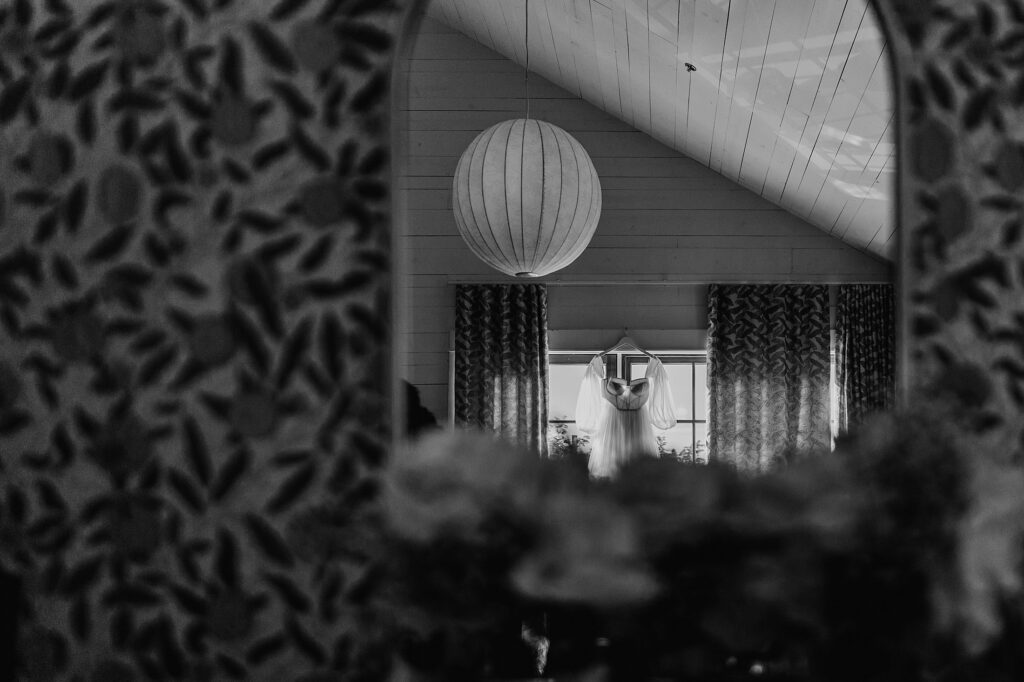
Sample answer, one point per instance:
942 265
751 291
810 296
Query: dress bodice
626 395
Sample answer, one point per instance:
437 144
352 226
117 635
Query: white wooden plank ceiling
790 98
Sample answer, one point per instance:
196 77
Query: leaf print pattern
960 227
865 345
501 361
768 373
171 253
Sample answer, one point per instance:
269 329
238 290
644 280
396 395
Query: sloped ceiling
788 98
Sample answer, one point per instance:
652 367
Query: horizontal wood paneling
665 217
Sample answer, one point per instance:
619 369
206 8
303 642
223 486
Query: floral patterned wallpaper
194 265
193 288
962 171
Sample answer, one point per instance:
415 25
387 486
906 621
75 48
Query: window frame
569 358
619 364
679 358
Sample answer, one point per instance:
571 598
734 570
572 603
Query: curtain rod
659 282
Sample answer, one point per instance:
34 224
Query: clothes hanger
626 343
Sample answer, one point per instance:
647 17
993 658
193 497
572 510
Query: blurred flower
648 486
814 499
988 566
869 552
451 482
588 552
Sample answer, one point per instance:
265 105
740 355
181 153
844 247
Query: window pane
702 443
676 442
565 440
700 404
680 379
680 376
564 386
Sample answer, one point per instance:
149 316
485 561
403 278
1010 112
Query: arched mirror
745 145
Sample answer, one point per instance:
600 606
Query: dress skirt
626 435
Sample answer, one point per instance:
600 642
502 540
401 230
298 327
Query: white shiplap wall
665 217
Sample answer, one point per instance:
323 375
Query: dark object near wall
10 596
418 419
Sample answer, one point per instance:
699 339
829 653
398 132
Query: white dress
619 415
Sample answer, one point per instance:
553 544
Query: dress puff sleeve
661 405
589 403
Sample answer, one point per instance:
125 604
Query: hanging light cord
526 4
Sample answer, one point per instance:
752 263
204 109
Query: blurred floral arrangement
896 558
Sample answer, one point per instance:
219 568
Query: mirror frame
209 462
948 106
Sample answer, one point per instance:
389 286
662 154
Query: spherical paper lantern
526 197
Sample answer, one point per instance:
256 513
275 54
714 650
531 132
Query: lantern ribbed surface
526 197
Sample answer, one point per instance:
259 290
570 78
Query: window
688 378
565 372
687 374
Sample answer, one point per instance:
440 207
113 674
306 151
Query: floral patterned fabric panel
962 172
865 344
501 361
768 373
193 295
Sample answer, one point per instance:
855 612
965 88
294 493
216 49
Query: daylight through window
687 372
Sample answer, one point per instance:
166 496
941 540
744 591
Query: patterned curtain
865 351
501 361
768 373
